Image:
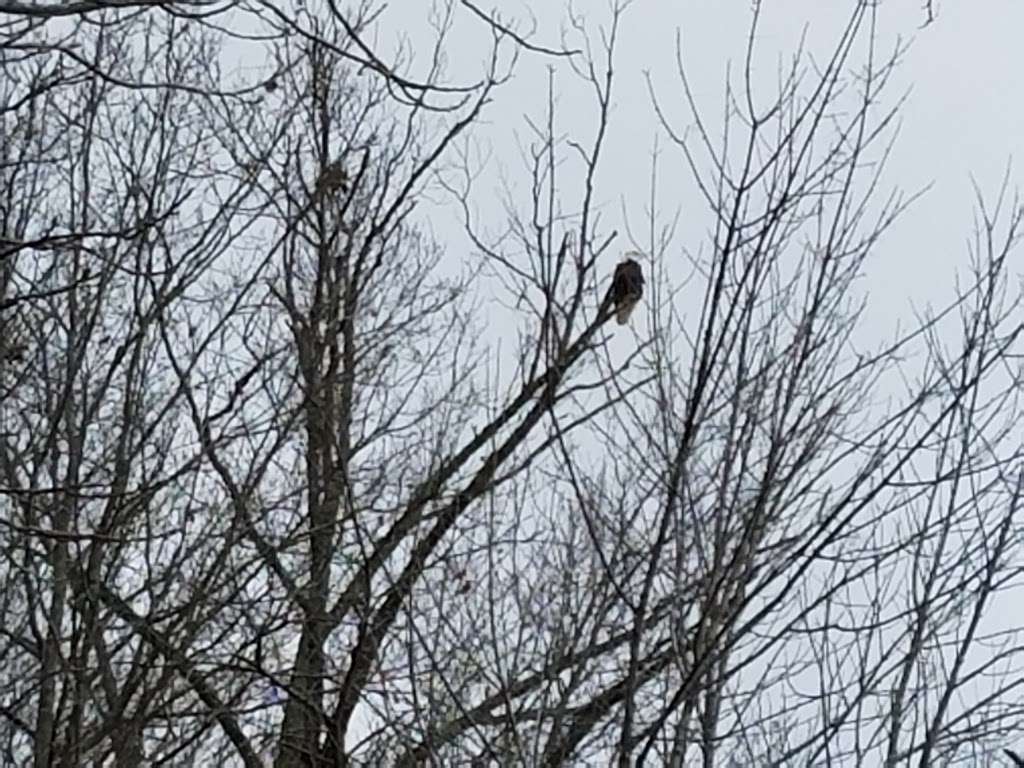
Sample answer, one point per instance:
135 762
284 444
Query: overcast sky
963 118
964 114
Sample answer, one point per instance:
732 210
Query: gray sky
963 115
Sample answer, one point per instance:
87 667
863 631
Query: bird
1017 759
627 288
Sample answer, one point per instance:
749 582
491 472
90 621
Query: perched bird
1017 759
626 289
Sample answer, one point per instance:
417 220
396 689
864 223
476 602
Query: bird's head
632 258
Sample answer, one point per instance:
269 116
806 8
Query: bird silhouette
626 290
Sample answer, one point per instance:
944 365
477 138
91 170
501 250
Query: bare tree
278 489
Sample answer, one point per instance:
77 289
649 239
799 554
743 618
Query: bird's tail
623 312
